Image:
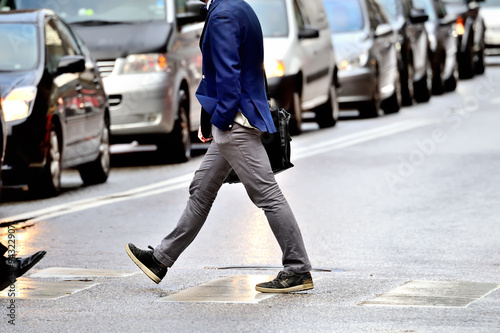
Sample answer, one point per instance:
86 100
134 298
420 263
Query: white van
299 58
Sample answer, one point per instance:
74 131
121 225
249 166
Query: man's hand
200 136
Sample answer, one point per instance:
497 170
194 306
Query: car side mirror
308 32
71 64
192 14
418 15
383 30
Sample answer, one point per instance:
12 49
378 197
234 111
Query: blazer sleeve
224 48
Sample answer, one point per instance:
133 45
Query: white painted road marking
182 182
79 273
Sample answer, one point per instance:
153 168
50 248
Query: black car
53 101
471 30
442 46
412 45
3 139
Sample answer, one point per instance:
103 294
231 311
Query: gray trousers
240 149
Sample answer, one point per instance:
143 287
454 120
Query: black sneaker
145 260
287 282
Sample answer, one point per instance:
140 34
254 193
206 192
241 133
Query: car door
384 48
316 61
93 99
66 93
418 39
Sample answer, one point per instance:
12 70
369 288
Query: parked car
412 46
470 29
148 54
490 11
3 140
442 45
53 101
364 45
299 59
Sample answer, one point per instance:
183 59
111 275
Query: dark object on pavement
287 282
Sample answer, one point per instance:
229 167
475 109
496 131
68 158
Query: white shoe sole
305 286
139 264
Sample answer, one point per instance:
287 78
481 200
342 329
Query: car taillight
460 26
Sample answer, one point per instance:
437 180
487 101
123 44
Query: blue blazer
233 66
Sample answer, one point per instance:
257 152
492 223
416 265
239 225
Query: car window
109 10
391 9
407 6
428 6
440 9
19 46
344 16
272 25
490 3
299 17
68 39
379 13
56 47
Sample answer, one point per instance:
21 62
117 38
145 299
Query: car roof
24 15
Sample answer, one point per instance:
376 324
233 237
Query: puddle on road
31 289
79 273
230 289
434 294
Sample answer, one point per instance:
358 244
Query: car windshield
427 6
344 16
269 12
113 11
491 3
19 49
390 7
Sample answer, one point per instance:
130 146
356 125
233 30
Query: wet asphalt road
381 202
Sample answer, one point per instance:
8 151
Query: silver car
364 45
148 55
490 11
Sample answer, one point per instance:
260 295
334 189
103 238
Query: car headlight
18 103
145 63
274 68
355 62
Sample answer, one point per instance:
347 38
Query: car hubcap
55 159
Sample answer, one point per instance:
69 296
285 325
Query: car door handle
79 88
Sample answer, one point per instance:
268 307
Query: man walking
233 94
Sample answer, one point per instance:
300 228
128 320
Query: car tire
97 171
176 146
371 108
407 87
479 66
393 103
295 124
437 80
423 86
328 113
466 62
47 182
450 84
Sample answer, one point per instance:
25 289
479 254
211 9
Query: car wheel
437 80
450 84
393 103
466 62
97 172
176 146
47 182
328 113
424 85
407 88
479 65
371 109
295 125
